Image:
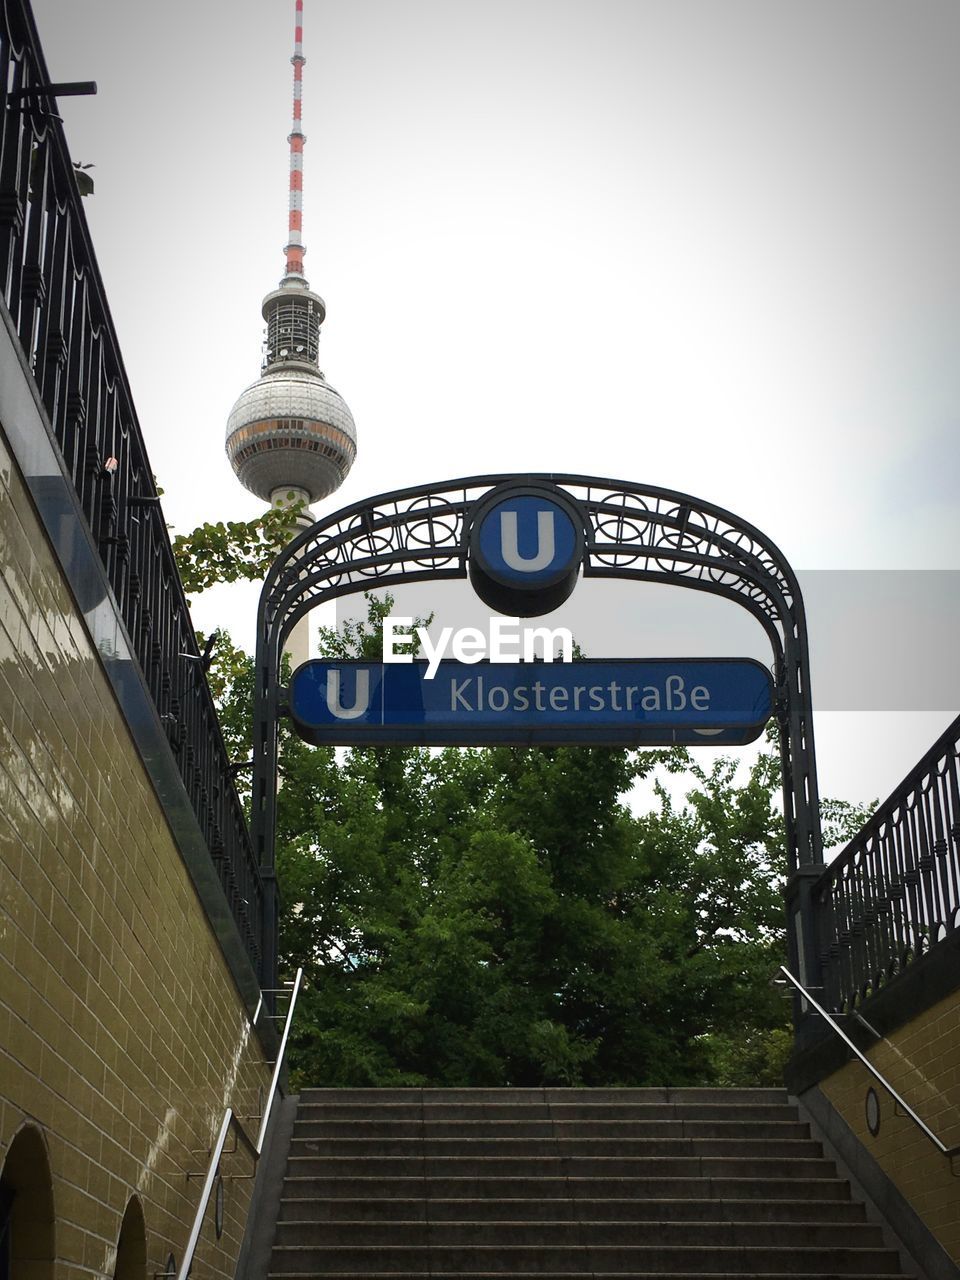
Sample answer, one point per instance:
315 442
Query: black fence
894 892
53 291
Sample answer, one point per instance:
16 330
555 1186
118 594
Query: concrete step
376 1148
792 1190
476 1097
416 1110
570 1233
483 1127
520 1166
592 1259
569 1275
399 1208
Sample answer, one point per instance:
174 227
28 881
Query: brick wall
122 1034
921 1060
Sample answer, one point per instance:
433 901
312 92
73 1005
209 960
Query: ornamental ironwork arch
634 532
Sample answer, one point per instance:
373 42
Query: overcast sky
704 244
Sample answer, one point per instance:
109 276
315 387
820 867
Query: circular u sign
526 546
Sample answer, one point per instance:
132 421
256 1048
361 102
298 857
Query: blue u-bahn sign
608 702
526 547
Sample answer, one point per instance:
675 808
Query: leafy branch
235 550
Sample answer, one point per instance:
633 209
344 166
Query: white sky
704 244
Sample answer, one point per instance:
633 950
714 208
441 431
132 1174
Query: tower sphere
291 430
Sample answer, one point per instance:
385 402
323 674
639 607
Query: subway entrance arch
632 532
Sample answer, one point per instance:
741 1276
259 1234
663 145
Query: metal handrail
205 1194
941 1146
279 1063
229 1119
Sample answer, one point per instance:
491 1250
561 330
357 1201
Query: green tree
500 917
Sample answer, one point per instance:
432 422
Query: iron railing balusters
900 875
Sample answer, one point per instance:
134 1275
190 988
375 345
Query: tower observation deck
290 433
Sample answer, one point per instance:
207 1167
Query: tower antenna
294 248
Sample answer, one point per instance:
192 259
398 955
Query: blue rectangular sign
606 702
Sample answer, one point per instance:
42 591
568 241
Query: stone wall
921 1060
123 1035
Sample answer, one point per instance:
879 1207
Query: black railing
894 892
52 288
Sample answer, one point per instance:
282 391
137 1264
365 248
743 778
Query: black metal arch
633 532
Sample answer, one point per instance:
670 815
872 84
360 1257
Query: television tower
290 435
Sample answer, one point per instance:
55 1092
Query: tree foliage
235 550
500 917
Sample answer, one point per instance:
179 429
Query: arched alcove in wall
27 1220
132 1244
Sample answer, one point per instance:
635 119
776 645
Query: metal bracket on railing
227 1151
285 990
66 89
858 1017
785 992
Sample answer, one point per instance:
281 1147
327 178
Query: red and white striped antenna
294 247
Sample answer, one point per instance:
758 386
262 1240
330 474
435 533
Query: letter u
510 547
361 697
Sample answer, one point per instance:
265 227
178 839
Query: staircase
565 1182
